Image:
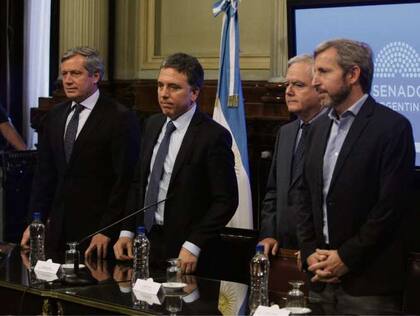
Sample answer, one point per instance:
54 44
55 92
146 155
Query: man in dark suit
196 175
88 151
278 218
358 166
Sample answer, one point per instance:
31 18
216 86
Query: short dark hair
352 53
94 62
187 65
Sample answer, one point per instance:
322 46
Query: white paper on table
147 286
49 277
146 297
273 310
46 267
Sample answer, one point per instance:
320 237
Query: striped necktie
297 166
71 131
155 177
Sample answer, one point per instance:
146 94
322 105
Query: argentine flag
229 107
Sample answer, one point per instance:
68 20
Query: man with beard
358 163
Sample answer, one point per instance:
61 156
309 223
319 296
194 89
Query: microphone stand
123 219
79 280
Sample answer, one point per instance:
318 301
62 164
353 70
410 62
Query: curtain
36 60
11 52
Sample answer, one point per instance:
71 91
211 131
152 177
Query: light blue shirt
181 123
341 125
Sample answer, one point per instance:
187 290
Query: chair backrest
235 248
411 303
283 269
18 170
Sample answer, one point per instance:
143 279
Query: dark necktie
156 176
71 131
297 166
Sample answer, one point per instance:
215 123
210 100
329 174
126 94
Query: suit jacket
203 189
366 201
89 192
278 218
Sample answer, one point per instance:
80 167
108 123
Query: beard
334 100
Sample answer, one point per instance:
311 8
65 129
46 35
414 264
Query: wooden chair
411 302
283 268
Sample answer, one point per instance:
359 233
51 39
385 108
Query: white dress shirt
89 104
181 123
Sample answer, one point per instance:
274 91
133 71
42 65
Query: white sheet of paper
44 276
147 286
146 297
46 267
273 310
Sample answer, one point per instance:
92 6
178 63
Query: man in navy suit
87 154
196 174
278 218
358 166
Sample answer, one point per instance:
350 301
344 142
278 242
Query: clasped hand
327 266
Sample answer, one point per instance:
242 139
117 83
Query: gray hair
304 58
352 53
94 62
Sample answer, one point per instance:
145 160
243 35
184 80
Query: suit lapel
290 145
320 143
150 139
187 144
61 124
356 129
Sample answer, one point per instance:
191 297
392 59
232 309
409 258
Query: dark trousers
334 300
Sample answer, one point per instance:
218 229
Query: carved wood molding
151 59
263 101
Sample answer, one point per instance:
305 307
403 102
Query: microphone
79 278
123 219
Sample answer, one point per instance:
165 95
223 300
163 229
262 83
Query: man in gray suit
278 224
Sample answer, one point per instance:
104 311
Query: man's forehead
171 74
75 58
327 56
76 61
170 70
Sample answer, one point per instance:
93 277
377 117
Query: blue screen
393 32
